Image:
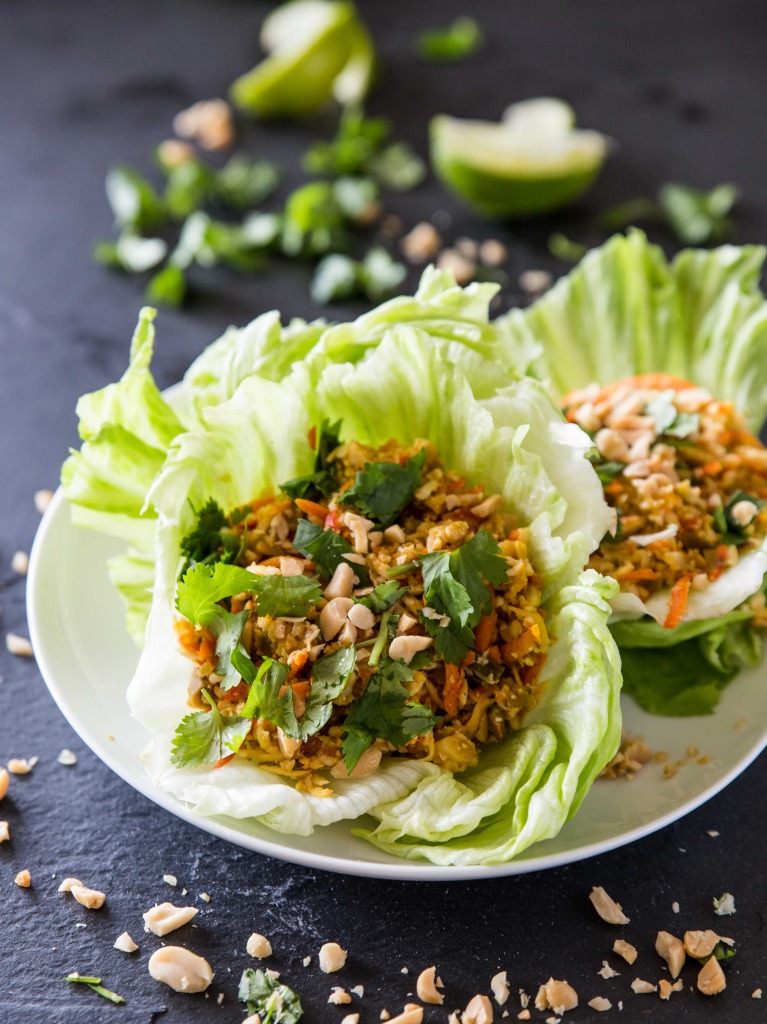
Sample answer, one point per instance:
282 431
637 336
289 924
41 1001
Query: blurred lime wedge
533 161
317 49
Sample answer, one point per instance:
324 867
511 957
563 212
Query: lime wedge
533 161
316 49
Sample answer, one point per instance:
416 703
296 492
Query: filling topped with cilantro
380 605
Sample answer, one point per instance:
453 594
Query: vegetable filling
687 481
379 605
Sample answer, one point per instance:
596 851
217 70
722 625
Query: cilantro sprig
204 737
327 549
94 984
383 489
322 482
204 586
273 1002
384 712
456 586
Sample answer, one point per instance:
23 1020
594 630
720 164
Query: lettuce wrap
626 310
515 443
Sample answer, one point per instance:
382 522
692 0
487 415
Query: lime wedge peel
317 50
533 161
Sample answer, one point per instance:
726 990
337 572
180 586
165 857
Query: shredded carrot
312 437
296 661
454 680
711 468
676 606
519 646
312 508
637 574
614 487
301 689
484 631
223 761
332 522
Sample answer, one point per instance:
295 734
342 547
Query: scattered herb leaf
326 549
273 1002
383 597
459 41
565 248
204 737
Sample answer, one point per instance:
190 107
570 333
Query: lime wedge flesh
532 162
312 44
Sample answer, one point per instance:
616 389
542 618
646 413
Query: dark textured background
682 87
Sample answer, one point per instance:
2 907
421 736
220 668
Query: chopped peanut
426 987
258 946
640 986
125 943
666 988
5 832
500 987
478 1011
711 979
626 950
180 969
332 958
90 898
600 1004
164 918
4 782
607 908
339 996
700 944
23 879
672 950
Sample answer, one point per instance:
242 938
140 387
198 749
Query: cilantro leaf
166 288
455 640
202 542
383 489
606 471
273 1002
227 628
329 677
322 482
205 737
455 584
134 201
459 41
383 597
669 422
264 700
326 548
203 586
286 595
697 216
383 712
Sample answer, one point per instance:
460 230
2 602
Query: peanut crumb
756 994
600 1003
23 879
626 950
18 645
608 972
43 499
20 563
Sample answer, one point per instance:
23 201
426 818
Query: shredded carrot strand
678 603
454 679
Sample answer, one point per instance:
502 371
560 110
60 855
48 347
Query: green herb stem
378 647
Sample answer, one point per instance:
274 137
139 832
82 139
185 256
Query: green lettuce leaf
683 671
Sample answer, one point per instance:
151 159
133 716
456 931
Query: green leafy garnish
167 287
265 700
94 984
362 147
130 252
383 712
383 597
322 482
383 489
606 471
698 217
722 952
459 41
327 549
339 277
203 586
314 222
455 585
565 248
286 595
205 737
329 677
669 422
243 183
273 1002
204 540
210 243
134 201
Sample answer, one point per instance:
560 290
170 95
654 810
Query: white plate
86 658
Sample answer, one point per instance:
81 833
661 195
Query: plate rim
391 869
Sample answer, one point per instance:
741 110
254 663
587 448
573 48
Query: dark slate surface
681 87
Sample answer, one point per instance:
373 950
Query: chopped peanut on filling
686 478
470 694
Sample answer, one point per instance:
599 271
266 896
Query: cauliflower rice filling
471 700
685 477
